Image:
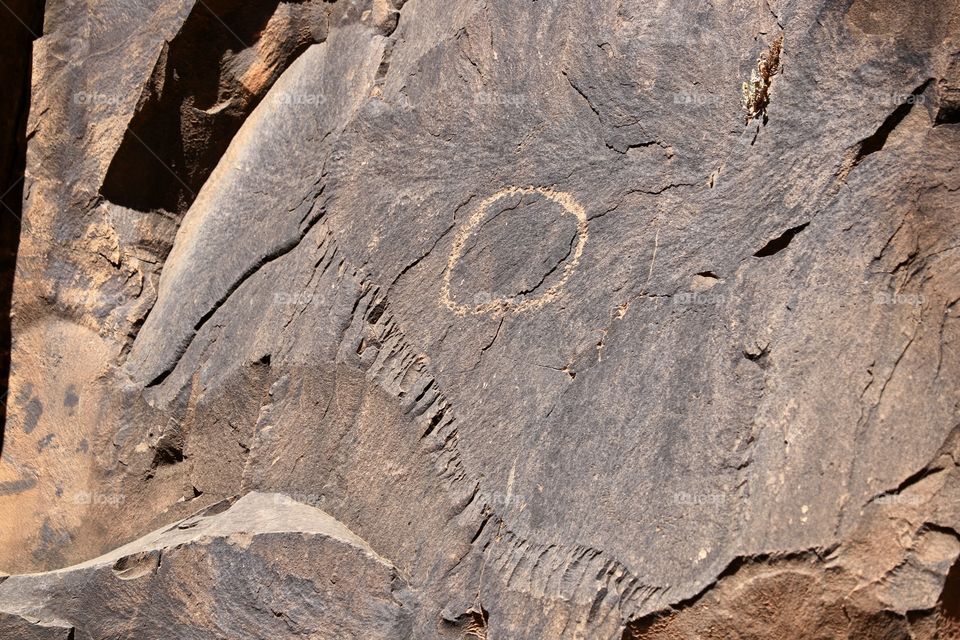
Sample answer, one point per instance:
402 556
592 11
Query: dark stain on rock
45 441
51 541
71 399
83 446
24 394
13 487
31 415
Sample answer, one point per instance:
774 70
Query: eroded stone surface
519 293
265 567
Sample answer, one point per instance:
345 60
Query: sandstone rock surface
554 319
265 567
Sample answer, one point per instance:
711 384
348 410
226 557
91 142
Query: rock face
550 319
22 24
266 567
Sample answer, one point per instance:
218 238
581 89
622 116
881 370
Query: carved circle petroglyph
515 304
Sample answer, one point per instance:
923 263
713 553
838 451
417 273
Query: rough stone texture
266 567
22 23
524 293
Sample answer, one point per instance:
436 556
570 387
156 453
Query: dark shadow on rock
207 81
21 25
